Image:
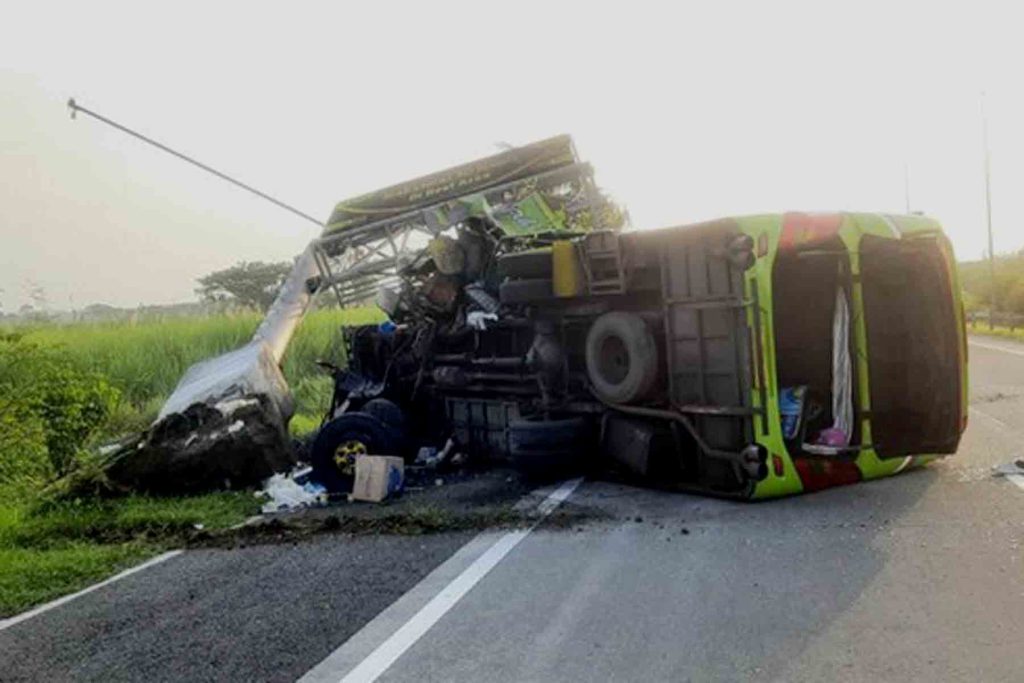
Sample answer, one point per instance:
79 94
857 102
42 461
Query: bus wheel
387 412
536 434
543 449
342 441
622 357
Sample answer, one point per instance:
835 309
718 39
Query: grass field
52 547
145 360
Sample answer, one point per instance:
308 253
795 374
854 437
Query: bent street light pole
988 218
254 369
293 299
75 108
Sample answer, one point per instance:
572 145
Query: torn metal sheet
226 423
229 444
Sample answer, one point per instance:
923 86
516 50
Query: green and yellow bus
749 357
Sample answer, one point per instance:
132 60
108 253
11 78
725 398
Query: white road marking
995 420
18 618
993 347
1017 479
380 628
385 654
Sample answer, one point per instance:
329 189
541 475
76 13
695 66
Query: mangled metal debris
237 442
225 424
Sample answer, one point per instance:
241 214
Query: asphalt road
916 577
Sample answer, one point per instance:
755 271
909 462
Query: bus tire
387 412
622 358
341 441
532 435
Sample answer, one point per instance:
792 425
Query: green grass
120 519
29 577
1005 332
53 549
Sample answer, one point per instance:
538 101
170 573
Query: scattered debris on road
293 491
1010 468
378 477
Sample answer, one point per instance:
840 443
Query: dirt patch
466 501
994 397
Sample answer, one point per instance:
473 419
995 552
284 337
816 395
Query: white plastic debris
287 494
1011 468
426 456
478 319
231 406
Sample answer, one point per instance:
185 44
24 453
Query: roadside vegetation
981 327
49 548
976 279
67 389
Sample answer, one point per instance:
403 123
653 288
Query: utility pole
988 217
75 108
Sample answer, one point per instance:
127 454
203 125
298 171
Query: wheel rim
346 453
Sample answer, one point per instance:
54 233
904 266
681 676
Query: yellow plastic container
567 277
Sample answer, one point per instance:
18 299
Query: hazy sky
687 111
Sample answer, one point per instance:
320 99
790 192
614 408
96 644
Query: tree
252 284
37 293
1013 300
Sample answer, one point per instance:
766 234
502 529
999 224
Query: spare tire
535 263
525 291
622 358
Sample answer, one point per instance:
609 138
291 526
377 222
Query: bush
49 411
24 464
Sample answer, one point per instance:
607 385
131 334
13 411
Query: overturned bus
748 357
